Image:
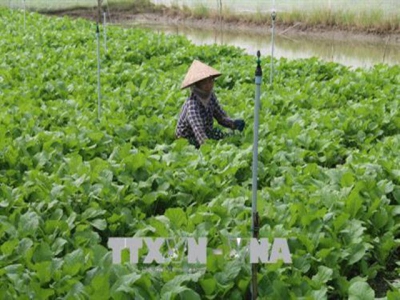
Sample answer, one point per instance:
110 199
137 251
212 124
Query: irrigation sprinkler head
273 15
258 68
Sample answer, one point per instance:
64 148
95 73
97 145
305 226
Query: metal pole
105 32
24 15
98 73
99 3
255 219
273 16
108 12
220 22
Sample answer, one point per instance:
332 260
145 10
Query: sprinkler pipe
255 218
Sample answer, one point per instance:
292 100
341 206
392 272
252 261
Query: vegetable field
329 170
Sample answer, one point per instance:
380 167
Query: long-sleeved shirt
196 120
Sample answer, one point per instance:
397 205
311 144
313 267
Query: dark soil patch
380 284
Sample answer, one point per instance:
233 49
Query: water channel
336 47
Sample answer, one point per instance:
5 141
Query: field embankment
374 21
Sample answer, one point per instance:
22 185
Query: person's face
206 84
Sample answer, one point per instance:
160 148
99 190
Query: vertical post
108 12
105 32
384 51
99 2
273 17
98 73
330 14
24 15
220 21
255 220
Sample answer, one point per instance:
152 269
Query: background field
389 7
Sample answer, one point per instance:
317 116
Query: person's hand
239 124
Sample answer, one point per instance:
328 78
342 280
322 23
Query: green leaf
347 180
42 253
174 286
92 213
357 252
324 275
153 196
8 247
393 295
39 292
125 283
73 262
43 271
114 218
29 223
86 237
189 294
135 161
100 287
396 194
353 203
176 216
99 224
209 285
77 291
380 218
360 290
24 245
58 245
321 294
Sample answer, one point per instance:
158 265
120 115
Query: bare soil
127 16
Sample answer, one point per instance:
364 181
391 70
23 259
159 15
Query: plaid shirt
196 120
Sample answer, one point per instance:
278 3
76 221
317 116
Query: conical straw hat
197 72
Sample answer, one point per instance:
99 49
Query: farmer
198 112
